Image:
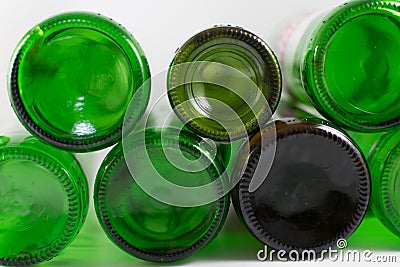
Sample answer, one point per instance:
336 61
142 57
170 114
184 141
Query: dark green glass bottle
72 78
347 61
224 83
316 192
382 151
43 200
139 223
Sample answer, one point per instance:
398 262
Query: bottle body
72 77
138 212
346 62
43 200
316 192
224 83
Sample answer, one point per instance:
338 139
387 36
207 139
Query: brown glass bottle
316 192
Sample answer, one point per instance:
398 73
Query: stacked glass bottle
316 192
72 78
346 60
224 83
343 63
212 61
44 200
139 209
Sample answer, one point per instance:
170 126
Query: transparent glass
347 62
134 219
220 71
384 162
43 200
72 77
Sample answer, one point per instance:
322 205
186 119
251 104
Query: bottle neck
292 46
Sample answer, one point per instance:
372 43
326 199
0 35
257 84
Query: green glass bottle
72 77
347 62
224 83
384 162
135 219
43 200
316 192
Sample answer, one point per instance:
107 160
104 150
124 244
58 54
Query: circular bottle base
315 194
41 207
349 68
221 71
143 226
72 78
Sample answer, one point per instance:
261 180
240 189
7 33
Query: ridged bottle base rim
103 181
236 34
74 216
388 181
314 71
317 128
95 22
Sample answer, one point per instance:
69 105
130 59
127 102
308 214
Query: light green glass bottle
72 77
43 200
347 61
224 83
139 223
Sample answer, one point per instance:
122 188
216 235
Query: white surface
160 27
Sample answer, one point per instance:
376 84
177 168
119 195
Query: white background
160 27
